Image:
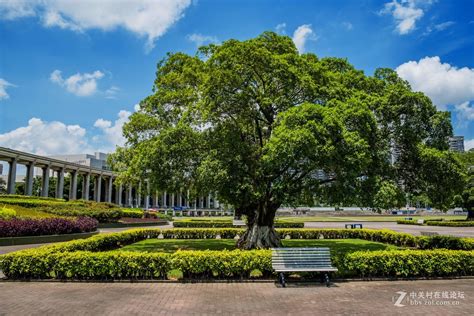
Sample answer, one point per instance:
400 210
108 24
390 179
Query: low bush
439 222
462 223
103 216
157 215
48 226
7 213
71 262
409 263
132 213
206 223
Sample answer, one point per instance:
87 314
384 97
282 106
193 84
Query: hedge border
25 240
89 259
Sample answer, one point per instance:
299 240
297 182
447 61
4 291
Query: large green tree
262 125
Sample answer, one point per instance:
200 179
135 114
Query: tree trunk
260 231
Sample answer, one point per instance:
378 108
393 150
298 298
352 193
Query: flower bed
94 258
48 226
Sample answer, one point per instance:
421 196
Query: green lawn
299 219
26 212
338 246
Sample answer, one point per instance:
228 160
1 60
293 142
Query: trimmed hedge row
410 263
84 265
440 222
225 224
47 226
451 223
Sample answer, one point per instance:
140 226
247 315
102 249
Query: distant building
456 143
98 160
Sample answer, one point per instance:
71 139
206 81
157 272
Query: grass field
338 246
302 219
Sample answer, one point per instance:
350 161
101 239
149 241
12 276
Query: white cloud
111 93
443 26
443 83
281 28
347 25
3 88
46 138
465 112
56 138
200 39
301 35
146 18
468 144
111 132
79 84
405 13
14 9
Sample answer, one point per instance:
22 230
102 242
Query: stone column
156 199
11 184
130 197
172 200
45 182
86 186
165 205
180 199
29 178
139 195
60 187
201 202
73 186
110 189
98 188
187 199
216 202
147 195
209 201
118 195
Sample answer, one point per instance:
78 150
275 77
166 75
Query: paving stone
343 298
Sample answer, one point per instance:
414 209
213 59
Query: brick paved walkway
344 298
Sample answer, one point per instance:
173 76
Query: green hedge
189 223
451 223
439 222
44 263
410 263
7 213
132 212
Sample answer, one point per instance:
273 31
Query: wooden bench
302 260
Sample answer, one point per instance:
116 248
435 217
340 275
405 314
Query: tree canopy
263 126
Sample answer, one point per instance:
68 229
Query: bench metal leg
326 278
281 277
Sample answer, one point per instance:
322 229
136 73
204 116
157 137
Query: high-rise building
456 143
98 160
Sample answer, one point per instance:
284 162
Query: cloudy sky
72 71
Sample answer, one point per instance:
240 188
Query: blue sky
71 71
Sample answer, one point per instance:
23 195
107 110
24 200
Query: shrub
408 222
133 213
206 223
409 263
462 223
7 213
48 226
103 216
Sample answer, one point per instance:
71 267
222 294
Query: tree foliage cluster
263 126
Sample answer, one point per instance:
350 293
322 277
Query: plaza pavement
343 298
